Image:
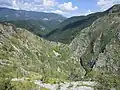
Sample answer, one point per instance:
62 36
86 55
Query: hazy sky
67 8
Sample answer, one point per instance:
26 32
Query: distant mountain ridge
11 14
39 23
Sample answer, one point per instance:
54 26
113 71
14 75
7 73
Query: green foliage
50 80
36 58
108 81
42 88
5 79
35 26
25 85
5 84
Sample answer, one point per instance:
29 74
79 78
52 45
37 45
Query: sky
66 8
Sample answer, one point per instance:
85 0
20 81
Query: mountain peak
114 9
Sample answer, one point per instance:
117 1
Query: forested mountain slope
68 29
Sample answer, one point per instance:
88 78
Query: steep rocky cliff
98 49
98 41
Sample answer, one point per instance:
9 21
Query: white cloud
53 6
84 13
6 2
88 12
58 12
15 5
49 3
67 7
105 4
34 5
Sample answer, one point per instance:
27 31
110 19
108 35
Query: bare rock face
91 45
97 48
7 30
